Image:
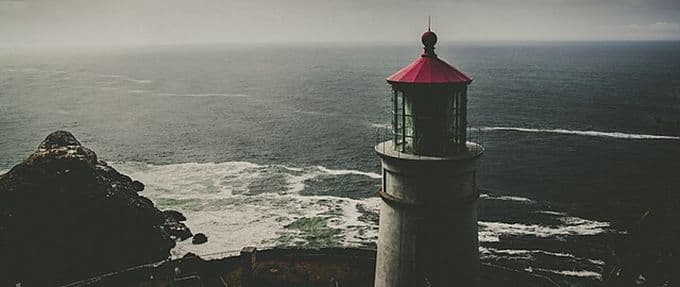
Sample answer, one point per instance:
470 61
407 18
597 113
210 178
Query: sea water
272 145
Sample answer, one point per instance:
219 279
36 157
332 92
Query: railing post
248 265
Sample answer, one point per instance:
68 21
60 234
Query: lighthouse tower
428 215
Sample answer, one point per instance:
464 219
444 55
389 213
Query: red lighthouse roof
429 69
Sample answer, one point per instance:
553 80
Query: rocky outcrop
199 238
648 255
65 215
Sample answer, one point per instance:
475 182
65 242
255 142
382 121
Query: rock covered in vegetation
65 216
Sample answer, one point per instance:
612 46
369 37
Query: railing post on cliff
247 265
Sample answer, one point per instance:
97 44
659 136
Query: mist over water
273 145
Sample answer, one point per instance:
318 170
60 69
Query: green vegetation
311 232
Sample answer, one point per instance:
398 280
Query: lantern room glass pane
430 121
409 131
398 118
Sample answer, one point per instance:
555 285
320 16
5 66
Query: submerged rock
65 215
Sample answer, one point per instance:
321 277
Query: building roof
429 69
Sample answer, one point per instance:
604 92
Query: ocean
272 145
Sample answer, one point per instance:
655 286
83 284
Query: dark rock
65 216
199 238
174 215
58 139
172 224
137 186
190 255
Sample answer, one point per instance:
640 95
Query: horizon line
321 43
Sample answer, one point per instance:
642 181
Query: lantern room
429 105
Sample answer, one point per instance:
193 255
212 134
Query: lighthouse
428 214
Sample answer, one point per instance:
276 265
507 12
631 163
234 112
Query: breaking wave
200 95
572 226
506 198
242 203
487 252
572 273
124 78
618 135
344 172
379 126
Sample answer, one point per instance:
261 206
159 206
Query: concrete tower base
428 219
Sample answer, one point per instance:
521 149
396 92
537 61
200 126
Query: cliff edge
65 215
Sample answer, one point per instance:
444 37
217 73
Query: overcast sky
140 22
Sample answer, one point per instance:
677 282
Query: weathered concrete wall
428 220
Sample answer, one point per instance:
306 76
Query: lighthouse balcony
389 149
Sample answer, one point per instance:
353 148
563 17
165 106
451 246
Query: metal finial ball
429 38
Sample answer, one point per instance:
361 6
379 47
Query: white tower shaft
428 219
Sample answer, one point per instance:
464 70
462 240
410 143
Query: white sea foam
345 172
573 273
572 226
201 95
379 126
216 200
124 78
138 81
488 252
242 203
618 135
550 212
505 198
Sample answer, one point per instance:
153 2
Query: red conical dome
429 69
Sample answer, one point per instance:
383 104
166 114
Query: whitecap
573 226
506 198
347 171
379 126
109 76
124 78
201 95
573 273
551 212
529 254
215 200
618 135
138 81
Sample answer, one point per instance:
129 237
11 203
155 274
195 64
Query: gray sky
140 22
